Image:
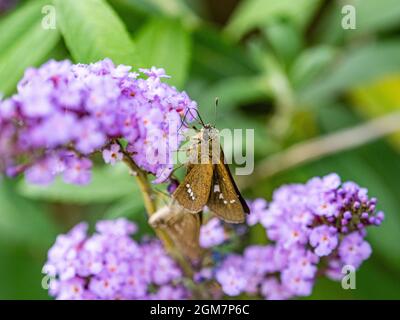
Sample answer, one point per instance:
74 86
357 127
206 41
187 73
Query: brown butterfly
183 227
209 182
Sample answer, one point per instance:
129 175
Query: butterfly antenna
198 116
184 119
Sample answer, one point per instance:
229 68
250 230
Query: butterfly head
209 132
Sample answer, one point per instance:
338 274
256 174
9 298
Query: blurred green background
286 68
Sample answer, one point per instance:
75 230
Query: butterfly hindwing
183 228
185 233
243 202
225 199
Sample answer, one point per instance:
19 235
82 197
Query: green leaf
371 16
128 207
285 39
356 67
383 285
258 13
108 184
215 57
375 15
160 8
235 91
309 64
131 207
93 31
21 272
13 26
23 221
17 43
165 43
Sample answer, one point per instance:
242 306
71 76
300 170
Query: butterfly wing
243 202
186 233
183 228
225 199
193 193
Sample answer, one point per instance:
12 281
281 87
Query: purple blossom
169 292
319 223
113 154
78 171
212 233
40 173
324 239
111 265
258 209
272 289
83 109
296 284
354 249
231 277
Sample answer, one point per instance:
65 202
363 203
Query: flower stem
151 208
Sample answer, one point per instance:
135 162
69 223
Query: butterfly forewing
193 193
225 200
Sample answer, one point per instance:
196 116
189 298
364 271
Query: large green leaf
18 22
285 39
165 43
23 221
356 67
156 8
372 282
309 65
20 272
215 57
234 91
19 33
258 13
93 31
129 207
108 184
371 16
375 15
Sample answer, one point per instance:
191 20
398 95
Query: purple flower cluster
316 227
63 112
111 265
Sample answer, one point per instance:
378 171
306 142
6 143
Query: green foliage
166 43
355 68
108 184
371 16
92 31
19 33
258 13
22 221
